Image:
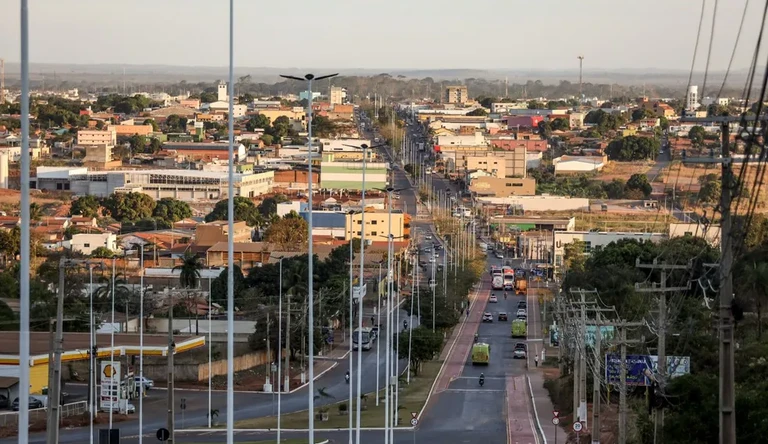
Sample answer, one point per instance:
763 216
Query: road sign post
555 422
163 434
578 427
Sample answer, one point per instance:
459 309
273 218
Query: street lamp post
310 266
279 345
141 344
351 324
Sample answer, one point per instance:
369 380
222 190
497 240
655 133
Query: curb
535 412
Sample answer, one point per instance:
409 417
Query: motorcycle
476 338
346 376
482 379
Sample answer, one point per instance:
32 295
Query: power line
735 46
709 50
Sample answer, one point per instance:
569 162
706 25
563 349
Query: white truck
498 282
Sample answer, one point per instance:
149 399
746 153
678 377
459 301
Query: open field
623 170
412 399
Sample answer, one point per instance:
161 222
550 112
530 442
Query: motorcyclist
476 337
346 376
482 379
405 324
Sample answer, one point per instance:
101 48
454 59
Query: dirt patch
623 170
71 422
253 379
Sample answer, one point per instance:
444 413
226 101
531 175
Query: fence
199 372
11 419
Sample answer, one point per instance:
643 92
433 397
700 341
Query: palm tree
35 211
189 275
755 284
122 293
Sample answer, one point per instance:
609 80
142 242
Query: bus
367 338
509 278
519 328
481 353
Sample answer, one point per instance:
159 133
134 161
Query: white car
521 313
432 260
493 298
499 255
487 317
428 237
148 383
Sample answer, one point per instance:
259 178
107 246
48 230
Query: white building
476 139
710 233
86 243
722 101
97 137
578 164
186 185
593 240
692 98
222 92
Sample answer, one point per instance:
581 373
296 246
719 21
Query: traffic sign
163 434
555 420
555 413
414 422
577 426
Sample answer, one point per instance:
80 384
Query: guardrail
11 419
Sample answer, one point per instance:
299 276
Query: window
374 233
86 245
374 222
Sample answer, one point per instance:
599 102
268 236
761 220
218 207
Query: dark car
34 403
502 316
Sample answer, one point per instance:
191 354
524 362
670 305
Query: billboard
606 334
637 365
110 374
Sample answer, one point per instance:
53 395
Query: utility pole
727 396
662 322
54 388
171 350
623 342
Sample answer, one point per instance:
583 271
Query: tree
282 127
632 148
424 345
268 207
259 121
639 182
102 252
208 97
754 282
245 210
323 126
560 124
189 275
477 112
574 256
86 206
176 123
268 139
219 286
10 242
615 189
545 129
642 113
710 187
8 321
535 104
172 210
696 135
289 233
129 206
152 122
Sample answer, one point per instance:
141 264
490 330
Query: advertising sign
638 364
606 334
109 396
359 291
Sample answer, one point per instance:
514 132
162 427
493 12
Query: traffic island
412 399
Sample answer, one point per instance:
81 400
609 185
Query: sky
392 34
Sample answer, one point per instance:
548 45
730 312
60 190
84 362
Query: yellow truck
521 285
481 354
519 328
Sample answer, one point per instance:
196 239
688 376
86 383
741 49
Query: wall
503 187
596 239
540 203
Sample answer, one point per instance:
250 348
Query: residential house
247 255
211 233
86 243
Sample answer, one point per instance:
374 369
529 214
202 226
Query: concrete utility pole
662 322
54 387
727 395
171 350
623 342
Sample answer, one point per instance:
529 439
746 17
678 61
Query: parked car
521 351
487 317
503 316
34 403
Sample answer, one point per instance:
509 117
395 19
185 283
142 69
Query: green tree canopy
289 233
172 210
129 206
87 206
632 148
696 135
639 184
245 210
477 112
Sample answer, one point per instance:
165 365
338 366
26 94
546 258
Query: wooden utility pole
662 322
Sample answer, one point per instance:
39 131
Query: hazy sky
429 34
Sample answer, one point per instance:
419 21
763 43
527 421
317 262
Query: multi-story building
97 137
377 225
456 94
511 163
130 130
337 95
502 186
206 152
211 233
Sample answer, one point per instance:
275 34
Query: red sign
555 413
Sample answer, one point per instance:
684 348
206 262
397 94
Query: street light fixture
310 266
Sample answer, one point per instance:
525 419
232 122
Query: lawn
412 398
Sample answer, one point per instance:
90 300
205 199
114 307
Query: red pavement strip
520 427
463 340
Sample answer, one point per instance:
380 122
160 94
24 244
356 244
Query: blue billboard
638 364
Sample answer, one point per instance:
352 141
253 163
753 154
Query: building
501 163
98 156
510 143
578 164
86 243
517 122
247 255
377 225
692 98
331 224
338 175
190 103
96 137
211 233
576 120
337 95
456 94
304 95
206 152
130 130
659 109
186 185
710 233
54 178
594 239
502 186
222 95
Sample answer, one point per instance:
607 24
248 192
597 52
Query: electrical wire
696 46
735 46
